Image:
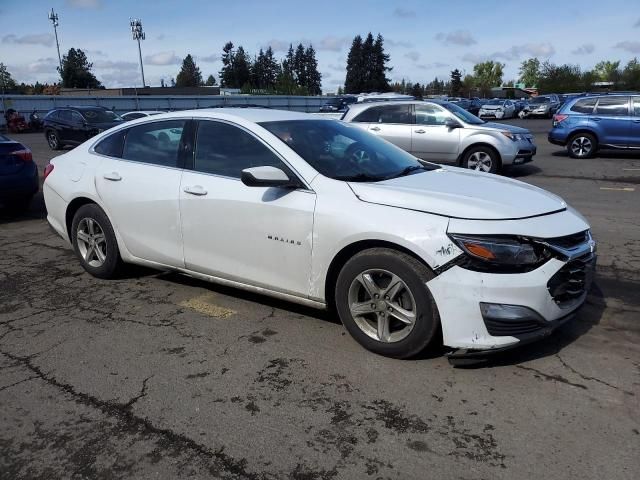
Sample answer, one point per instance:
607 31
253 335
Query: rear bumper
556 140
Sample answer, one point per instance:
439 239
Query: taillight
558 117
47 170
24 155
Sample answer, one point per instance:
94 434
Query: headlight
512 136
512 252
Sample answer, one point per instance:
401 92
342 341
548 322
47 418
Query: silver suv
440 131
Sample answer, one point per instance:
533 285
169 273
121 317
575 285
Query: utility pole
138 34
53 16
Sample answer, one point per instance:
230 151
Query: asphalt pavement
156 375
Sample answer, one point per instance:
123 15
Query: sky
424 39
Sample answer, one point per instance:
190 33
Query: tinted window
430 115
226 150
345 152
100 116
636 106
386 114
133 116
53 115
585 105
614 106
111 145
76 117
65 115
157 143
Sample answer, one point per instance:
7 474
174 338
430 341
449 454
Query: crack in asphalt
555 378
123 412
589 378
142 394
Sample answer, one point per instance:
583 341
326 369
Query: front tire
482 159
383 302
582 145
94 242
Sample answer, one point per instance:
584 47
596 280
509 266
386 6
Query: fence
26 104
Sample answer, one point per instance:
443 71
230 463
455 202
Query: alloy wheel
480 161
581 146
53 140
382 305
92 242
361 156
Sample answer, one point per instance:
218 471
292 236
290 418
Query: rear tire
582 145
54 140
94 242
397 322
482 159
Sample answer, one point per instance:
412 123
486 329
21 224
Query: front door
141 190
431 139
260 236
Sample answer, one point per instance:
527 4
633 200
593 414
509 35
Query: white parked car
498 108
322 213
140 114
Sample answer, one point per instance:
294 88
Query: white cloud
629 46
637 24
333 44
162 58
585 49
398 43
459 37
516 52
412 55
404 13
115 65
45 39
432 66
329 43
210 58
84 3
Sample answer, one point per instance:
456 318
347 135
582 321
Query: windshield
535 100
345 152
495 101
100 116
462 114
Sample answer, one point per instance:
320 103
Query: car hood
460 193
503 127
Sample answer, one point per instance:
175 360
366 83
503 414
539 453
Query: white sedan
322 213
498 108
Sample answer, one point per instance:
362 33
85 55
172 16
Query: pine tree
368 63
417 91
241 68
258 71
211 81
272 69
226 75
76 71
300 66
354 81
379 80
189 75
456 83
314 77
6 81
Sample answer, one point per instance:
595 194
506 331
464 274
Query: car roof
81 107
256 115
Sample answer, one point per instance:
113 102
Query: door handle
375 129
596 119
195 190
113 176
636 121
420 131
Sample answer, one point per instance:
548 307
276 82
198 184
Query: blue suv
585 124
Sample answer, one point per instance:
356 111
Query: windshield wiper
408 170
360 177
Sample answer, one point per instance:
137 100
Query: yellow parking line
624 189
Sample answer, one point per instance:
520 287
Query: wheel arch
72 208
583 130
347 252
476 145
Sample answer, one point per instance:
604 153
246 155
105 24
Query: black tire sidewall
415 275
594 145
111 266
495 161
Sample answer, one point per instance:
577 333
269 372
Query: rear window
111 146
584 106
386 114
613 106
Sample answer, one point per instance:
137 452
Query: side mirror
450 123
267 177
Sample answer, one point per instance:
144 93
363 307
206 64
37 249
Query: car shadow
36 210
586 318
518 171
608 154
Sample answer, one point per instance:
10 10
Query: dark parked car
74 125
18 174
338 104
585 124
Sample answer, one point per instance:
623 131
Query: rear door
431 139
394 123
634 138
140 188
613 121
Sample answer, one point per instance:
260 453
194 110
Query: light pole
138 34
53 16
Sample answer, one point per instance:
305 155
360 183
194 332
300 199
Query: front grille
571 283
569 241
503 328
